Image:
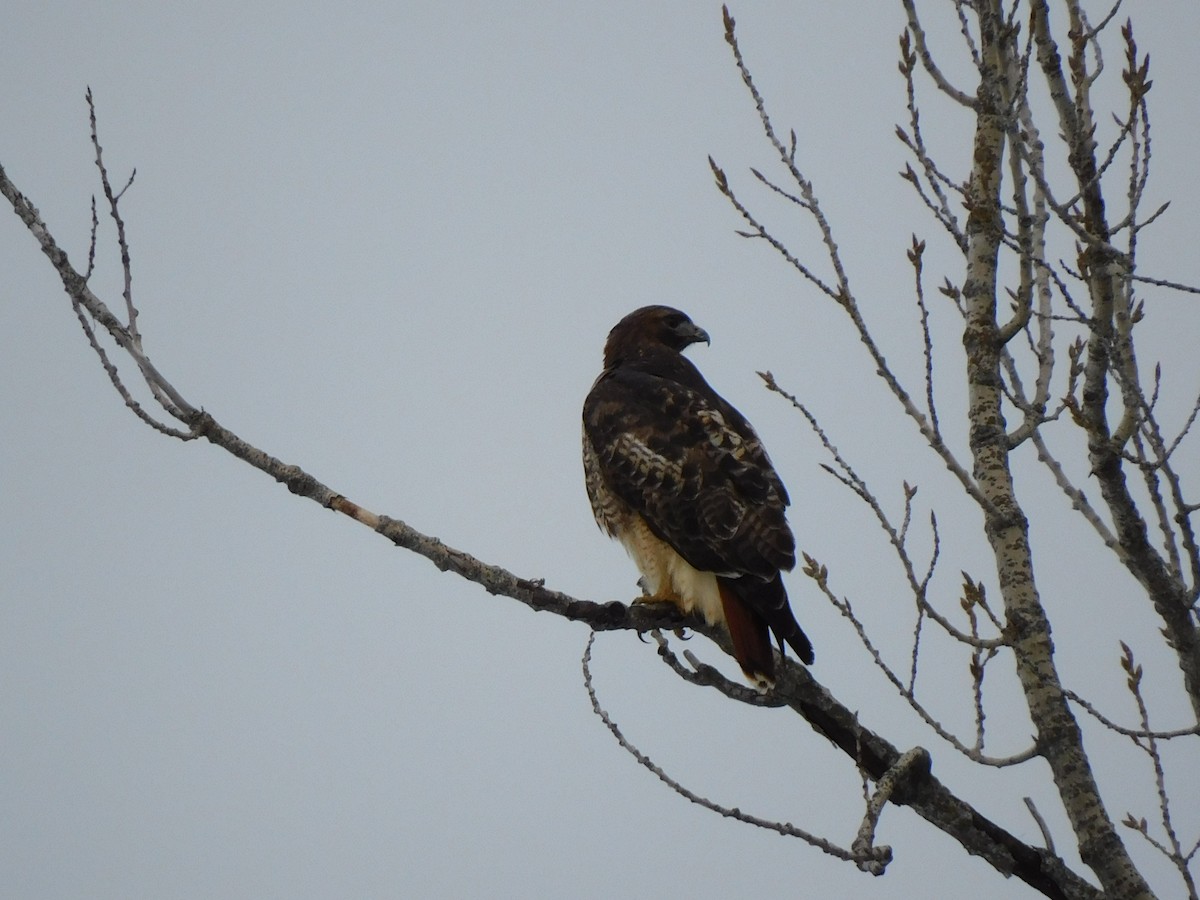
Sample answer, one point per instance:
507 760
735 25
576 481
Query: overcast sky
386 244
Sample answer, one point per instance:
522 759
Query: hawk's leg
666 596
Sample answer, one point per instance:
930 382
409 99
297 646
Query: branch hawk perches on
680 478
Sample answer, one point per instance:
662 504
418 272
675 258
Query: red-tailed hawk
680 478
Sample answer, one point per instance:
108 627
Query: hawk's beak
698 334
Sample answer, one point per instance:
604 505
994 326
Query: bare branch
115 377
820 576
846 474
1161 282
113 201
1079 500
759 231
842 294
916 143
1191 731
1172 850
943 84
877 856
708 676
915 255
1041 823
77 289
1110 352
911 766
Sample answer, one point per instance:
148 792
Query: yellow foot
661 597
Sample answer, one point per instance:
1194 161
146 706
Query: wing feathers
716 499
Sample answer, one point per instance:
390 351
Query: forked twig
874 856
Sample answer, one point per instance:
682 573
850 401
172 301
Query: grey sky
386 245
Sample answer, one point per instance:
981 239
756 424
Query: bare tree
1051 368
1011 210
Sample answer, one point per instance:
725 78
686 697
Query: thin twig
819 575
122 242
852 480
918 32
877 855
1134 733
1047 839
1173 850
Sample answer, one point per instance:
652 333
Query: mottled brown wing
692 467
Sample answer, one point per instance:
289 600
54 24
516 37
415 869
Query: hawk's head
650 328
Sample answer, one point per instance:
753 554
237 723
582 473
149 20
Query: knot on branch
200 423
297 480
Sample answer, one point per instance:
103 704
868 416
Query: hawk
679 477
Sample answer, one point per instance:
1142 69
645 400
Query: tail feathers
748 632
754 611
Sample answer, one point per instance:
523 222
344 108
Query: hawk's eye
674 320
